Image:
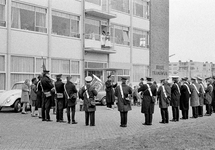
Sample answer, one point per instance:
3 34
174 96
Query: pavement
21 131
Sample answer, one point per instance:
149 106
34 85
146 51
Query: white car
12 98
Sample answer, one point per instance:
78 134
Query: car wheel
103 101
17 106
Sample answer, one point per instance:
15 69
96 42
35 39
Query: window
92 29
28 17
98 2
120 5
2 13
141 8
140 71
140 38
121 35
60 66
65 24
2 72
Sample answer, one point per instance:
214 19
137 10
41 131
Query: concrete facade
159 39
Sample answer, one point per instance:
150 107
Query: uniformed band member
201 97
47 88
208 96
123 93
87 93
110 98
148 101
164 97
194 99
185 96
175 99
60 98
39 96
71 98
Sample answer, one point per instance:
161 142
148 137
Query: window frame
147 9
147 38
129 8
36 8
4 4
70 16
122 27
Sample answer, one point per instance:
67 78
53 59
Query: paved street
19 131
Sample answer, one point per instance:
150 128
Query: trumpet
97 83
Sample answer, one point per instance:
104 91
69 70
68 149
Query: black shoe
48 120
86 124
69 122
162 122
200 115
74 122
177 120
61 121
92 125
173 120
192 117
43 119
121 126
182 118
57 121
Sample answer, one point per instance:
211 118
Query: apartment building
74 37
192 69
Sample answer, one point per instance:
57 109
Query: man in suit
148 100
175 99
164 96
60 98
48 89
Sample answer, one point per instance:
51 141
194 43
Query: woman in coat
110 97
25 95
123 93
33 96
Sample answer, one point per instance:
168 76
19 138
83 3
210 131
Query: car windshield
17 86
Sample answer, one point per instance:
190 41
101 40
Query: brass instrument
97 83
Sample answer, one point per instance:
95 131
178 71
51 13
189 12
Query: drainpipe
8 54
83 42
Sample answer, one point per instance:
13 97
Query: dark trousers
124 117
195 111
59 112
72 108
148 119
185 114
200 111
46 106
90 116
109 105
208 109
175 113
165 115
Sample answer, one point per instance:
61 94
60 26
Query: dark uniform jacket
87 106
110 98
213 94
163 101
123 104
71 90
175 95
184 98
46 84
147 102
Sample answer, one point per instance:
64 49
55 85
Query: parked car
101 98
12 98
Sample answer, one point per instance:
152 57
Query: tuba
97 83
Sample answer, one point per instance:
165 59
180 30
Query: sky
192 30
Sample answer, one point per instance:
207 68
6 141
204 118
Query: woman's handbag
207 98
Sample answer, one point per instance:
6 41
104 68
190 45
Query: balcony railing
99 41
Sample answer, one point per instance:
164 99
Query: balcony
97 43
100 14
